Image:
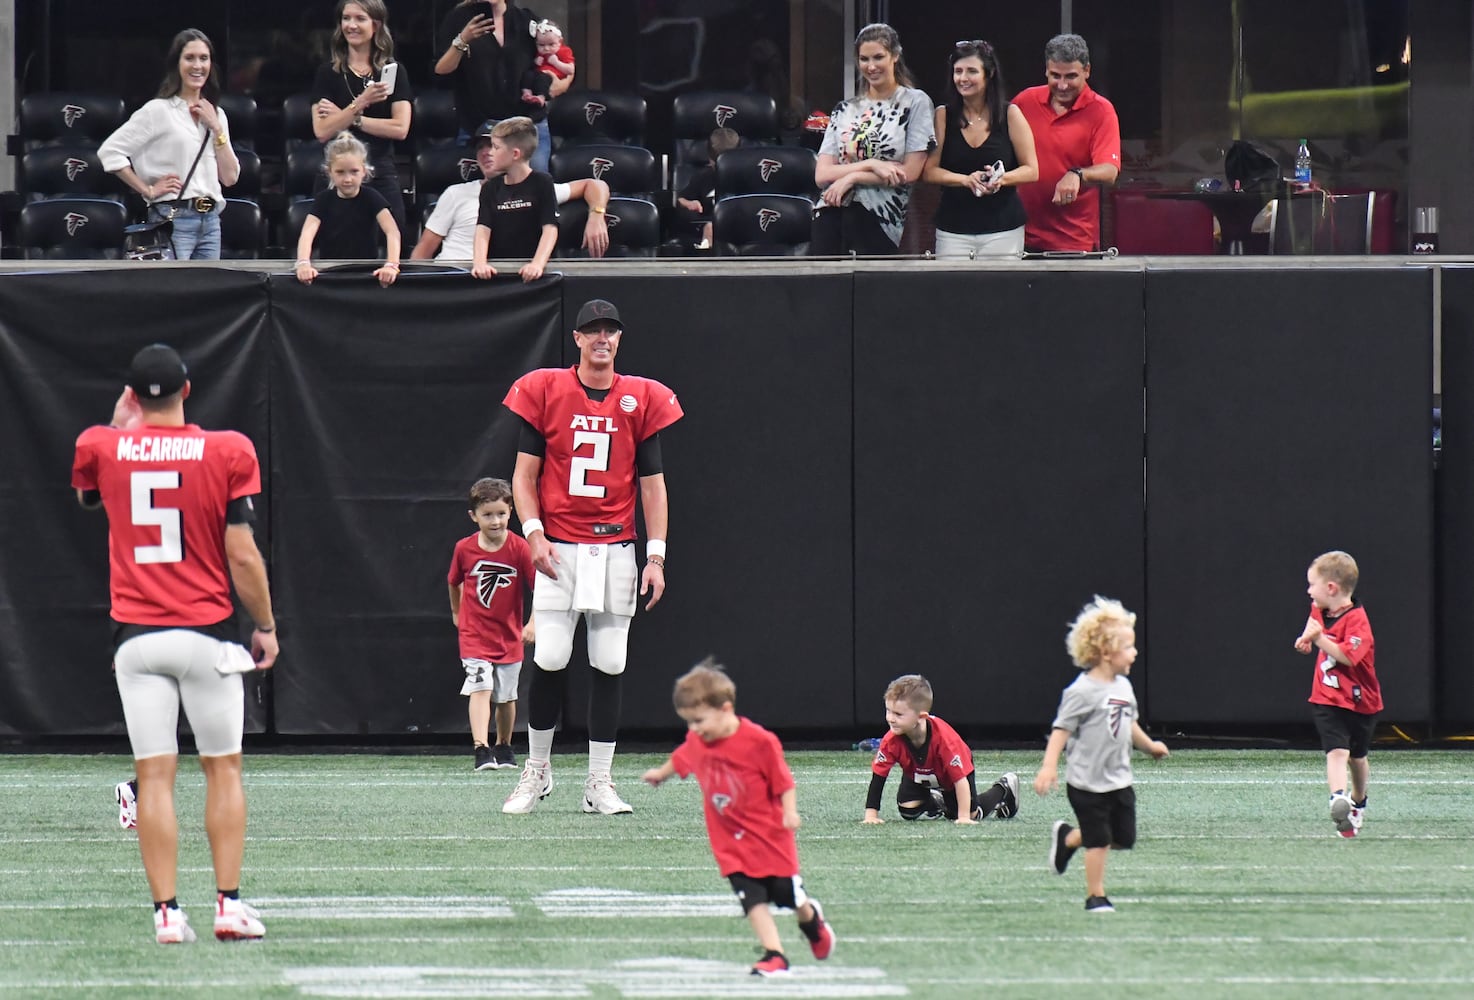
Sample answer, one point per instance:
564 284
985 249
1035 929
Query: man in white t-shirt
451 228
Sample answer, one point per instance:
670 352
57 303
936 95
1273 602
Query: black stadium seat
65 170
434 120
242 230
634 227
438 167
240 119
597 116
766 170
248 184
72 229
628 170
696 115
85 119
768 225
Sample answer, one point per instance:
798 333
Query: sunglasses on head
976 43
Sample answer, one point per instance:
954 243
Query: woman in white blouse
154 149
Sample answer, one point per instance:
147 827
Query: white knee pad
608 643
554 645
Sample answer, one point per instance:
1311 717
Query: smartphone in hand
387 76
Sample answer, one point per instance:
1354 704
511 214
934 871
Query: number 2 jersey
1351 687
165 490
588 473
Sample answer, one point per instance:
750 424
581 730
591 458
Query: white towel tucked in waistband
590 566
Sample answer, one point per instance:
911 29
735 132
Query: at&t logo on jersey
491 577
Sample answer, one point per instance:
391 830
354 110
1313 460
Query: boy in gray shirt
1096 727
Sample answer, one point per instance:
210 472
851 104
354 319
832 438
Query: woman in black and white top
352 94
154 150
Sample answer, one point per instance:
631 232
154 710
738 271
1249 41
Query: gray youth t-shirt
1099 718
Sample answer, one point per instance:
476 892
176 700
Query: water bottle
1302 163
869 746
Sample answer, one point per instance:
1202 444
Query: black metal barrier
880 472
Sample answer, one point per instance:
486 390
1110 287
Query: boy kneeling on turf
751 810
937 777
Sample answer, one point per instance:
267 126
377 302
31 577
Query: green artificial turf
398 876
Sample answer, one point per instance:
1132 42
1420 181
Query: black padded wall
997 480
386 407
759 478
65 343
1455 689
1288 413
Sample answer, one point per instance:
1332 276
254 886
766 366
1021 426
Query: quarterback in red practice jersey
178 503
589 443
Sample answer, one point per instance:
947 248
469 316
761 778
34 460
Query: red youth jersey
743 778
1354 687
165 490
494 587
588 473
1087 134
948 759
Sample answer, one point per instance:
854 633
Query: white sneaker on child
1341 810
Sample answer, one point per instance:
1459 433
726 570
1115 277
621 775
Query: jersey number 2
167 519
581 466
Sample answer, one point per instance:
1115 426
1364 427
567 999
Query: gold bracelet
596 209
220 139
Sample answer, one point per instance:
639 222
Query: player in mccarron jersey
589 443
178 503
490 575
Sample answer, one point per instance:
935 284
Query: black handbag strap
192 167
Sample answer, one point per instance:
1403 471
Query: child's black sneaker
1098 904
1059 854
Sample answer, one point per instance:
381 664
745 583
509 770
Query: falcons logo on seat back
469 168
491 577
599 165
592 110
766 217
768 168
723 114
73 167
74 221
71 112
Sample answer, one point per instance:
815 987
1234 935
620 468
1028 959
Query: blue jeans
196 235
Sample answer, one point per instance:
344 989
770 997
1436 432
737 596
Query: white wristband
530 525
655 547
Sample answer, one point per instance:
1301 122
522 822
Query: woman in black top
980 213
351 95
489 46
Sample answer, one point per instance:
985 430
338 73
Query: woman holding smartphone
365 92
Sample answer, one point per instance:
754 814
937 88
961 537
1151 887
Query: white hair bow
538 27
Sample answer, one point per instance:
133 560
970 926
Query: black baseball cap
483 134
157 371
597 309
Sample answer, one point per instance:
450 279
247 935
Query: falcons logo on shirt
766 217
71 112
592 110
491 577
956 760
720 802
73 167
468 168
74 221
723 114
768 168
1117 712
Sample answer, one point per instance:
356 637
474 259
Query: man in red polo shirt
1078 141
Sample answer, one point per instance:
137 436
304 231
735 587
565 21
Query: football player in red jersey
589 443
751 810
937 777
1345 695
178 503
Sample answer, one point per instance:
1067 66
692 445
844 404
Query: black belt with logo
202 205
